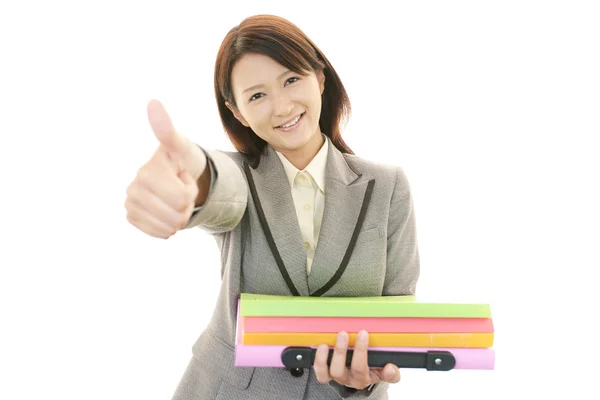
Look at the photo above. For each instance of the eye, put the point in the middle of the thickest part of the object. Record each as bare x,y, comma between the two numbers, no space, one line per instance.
257,96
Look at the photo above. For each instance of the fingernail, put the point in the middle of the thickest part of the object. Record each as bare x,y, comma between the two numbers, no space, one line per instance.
323,349
362,335
342,338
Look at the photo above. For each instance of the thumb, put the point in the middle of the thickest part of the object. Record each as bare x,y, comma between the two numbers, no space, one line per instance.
164,130
391,373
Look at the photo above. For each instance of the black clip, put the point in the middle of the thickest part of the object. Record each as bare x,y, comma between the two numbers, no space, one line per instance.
304,357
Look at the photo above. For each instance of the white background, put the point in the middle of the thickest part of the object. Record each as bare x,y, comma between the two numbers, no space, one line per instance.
492,109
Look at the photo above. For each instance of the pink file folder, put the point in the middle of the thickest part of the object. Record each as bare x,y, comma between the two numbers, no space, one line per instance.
270,356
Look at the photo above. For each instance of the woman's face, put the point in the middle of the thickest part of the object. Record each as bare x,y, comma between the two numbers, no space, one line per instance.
270,98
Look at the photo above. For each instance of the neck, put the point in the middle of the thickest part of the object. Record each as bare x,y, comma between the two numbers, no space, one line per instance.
303,157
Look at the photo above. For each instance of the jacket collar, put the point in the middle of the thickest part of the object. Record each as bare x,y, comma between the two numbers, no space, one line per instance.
343,201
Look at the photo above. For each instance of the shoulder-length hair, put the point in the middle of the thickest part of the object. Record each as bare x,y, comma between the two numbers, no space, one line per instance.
285,43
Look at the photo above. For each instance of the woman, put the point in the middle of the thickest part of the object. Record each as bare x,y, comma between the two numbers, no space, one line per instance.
293,211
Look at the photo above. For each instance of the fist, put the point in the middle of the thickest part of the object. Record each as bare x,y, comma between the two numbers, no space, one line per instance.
162,197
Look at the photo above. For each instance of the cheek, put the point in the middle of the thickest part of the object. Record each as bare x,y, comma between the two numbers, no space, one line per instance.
315,106
312,98
259,118
255,115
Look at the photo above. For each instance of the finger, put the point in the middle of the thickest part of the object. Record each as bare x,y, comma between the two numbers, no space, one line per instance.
149,224
192,193
141,197
190,183
391,373
359,367
163,128
166,185
338,369
320,365
167,161
376,374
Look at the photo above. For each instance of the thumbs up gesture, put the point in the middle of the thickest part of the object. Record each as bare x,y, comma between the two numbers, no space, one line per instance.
161,198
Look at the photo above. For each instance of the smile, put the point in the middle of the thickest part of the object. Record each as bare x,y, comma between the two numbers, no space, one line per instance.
292,124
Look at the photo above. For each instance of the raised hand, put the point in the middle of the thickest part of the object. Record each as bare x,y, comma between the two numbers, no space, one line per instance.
161,198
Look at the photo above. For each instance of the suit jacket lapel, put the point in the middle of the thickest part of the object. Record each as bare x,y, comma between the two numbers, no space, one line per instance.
344,195
278,206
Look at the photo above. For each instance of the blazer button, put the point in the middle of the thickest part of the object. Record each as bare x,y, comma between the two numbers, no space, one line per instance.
297,372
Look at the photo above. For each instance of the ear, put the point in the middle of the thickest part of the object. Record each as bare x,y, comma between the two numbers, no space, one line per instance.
321,79
237,114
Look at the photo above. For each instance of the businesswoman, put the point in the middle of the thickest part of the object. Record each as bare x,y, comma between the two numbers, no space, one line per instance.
293,211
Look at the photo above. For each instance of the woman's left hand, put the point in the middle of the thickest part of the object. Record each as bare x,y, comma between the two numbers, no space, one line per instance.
358,375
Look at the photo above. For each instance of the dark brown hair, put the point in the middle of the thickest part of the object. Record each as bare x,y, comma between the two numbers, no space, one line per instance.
285,43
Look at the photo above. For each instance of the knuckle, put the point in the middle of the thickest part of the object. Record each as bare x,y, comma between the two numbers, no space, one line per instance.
131,199
142,175
340,351
183,221
131,195
132,213
169,226
133,210
131,219
360,383
163,234
179,200
336,374
193,191
182,203
193,194
360,377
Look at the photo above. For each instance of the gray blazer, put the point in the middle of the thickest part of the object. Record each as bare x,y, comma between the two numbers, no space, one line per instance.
382,259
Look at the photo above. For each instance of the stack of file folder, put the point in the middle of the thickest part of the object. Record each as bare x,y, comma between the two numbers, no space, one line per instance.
284,331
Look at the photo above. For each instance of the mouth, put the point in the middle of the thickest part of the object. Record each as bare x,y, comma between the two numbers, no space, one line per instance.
292,124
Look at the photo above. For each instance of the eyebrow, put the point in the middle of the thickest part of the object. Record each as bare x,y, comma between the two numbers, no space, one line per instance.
260,85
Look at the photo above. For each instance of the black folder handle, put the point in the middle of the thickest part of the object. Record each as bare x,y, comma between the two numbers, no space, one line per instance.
304,357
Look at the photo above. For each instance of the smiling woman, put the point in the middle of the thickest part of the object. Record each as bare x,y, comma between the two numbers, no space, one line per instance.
286,111
293,211
267,73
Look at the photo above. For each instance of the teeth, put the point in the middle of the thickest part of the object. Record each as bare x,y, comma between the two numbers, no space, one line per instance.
292,123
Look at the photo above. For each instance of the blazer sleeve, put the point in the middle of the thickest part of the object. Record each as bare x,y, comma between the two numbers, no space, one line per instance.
227,197
403,265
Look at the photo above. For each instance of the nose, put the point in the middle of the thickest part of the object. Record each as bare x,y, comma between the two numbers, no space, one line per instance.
283,106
